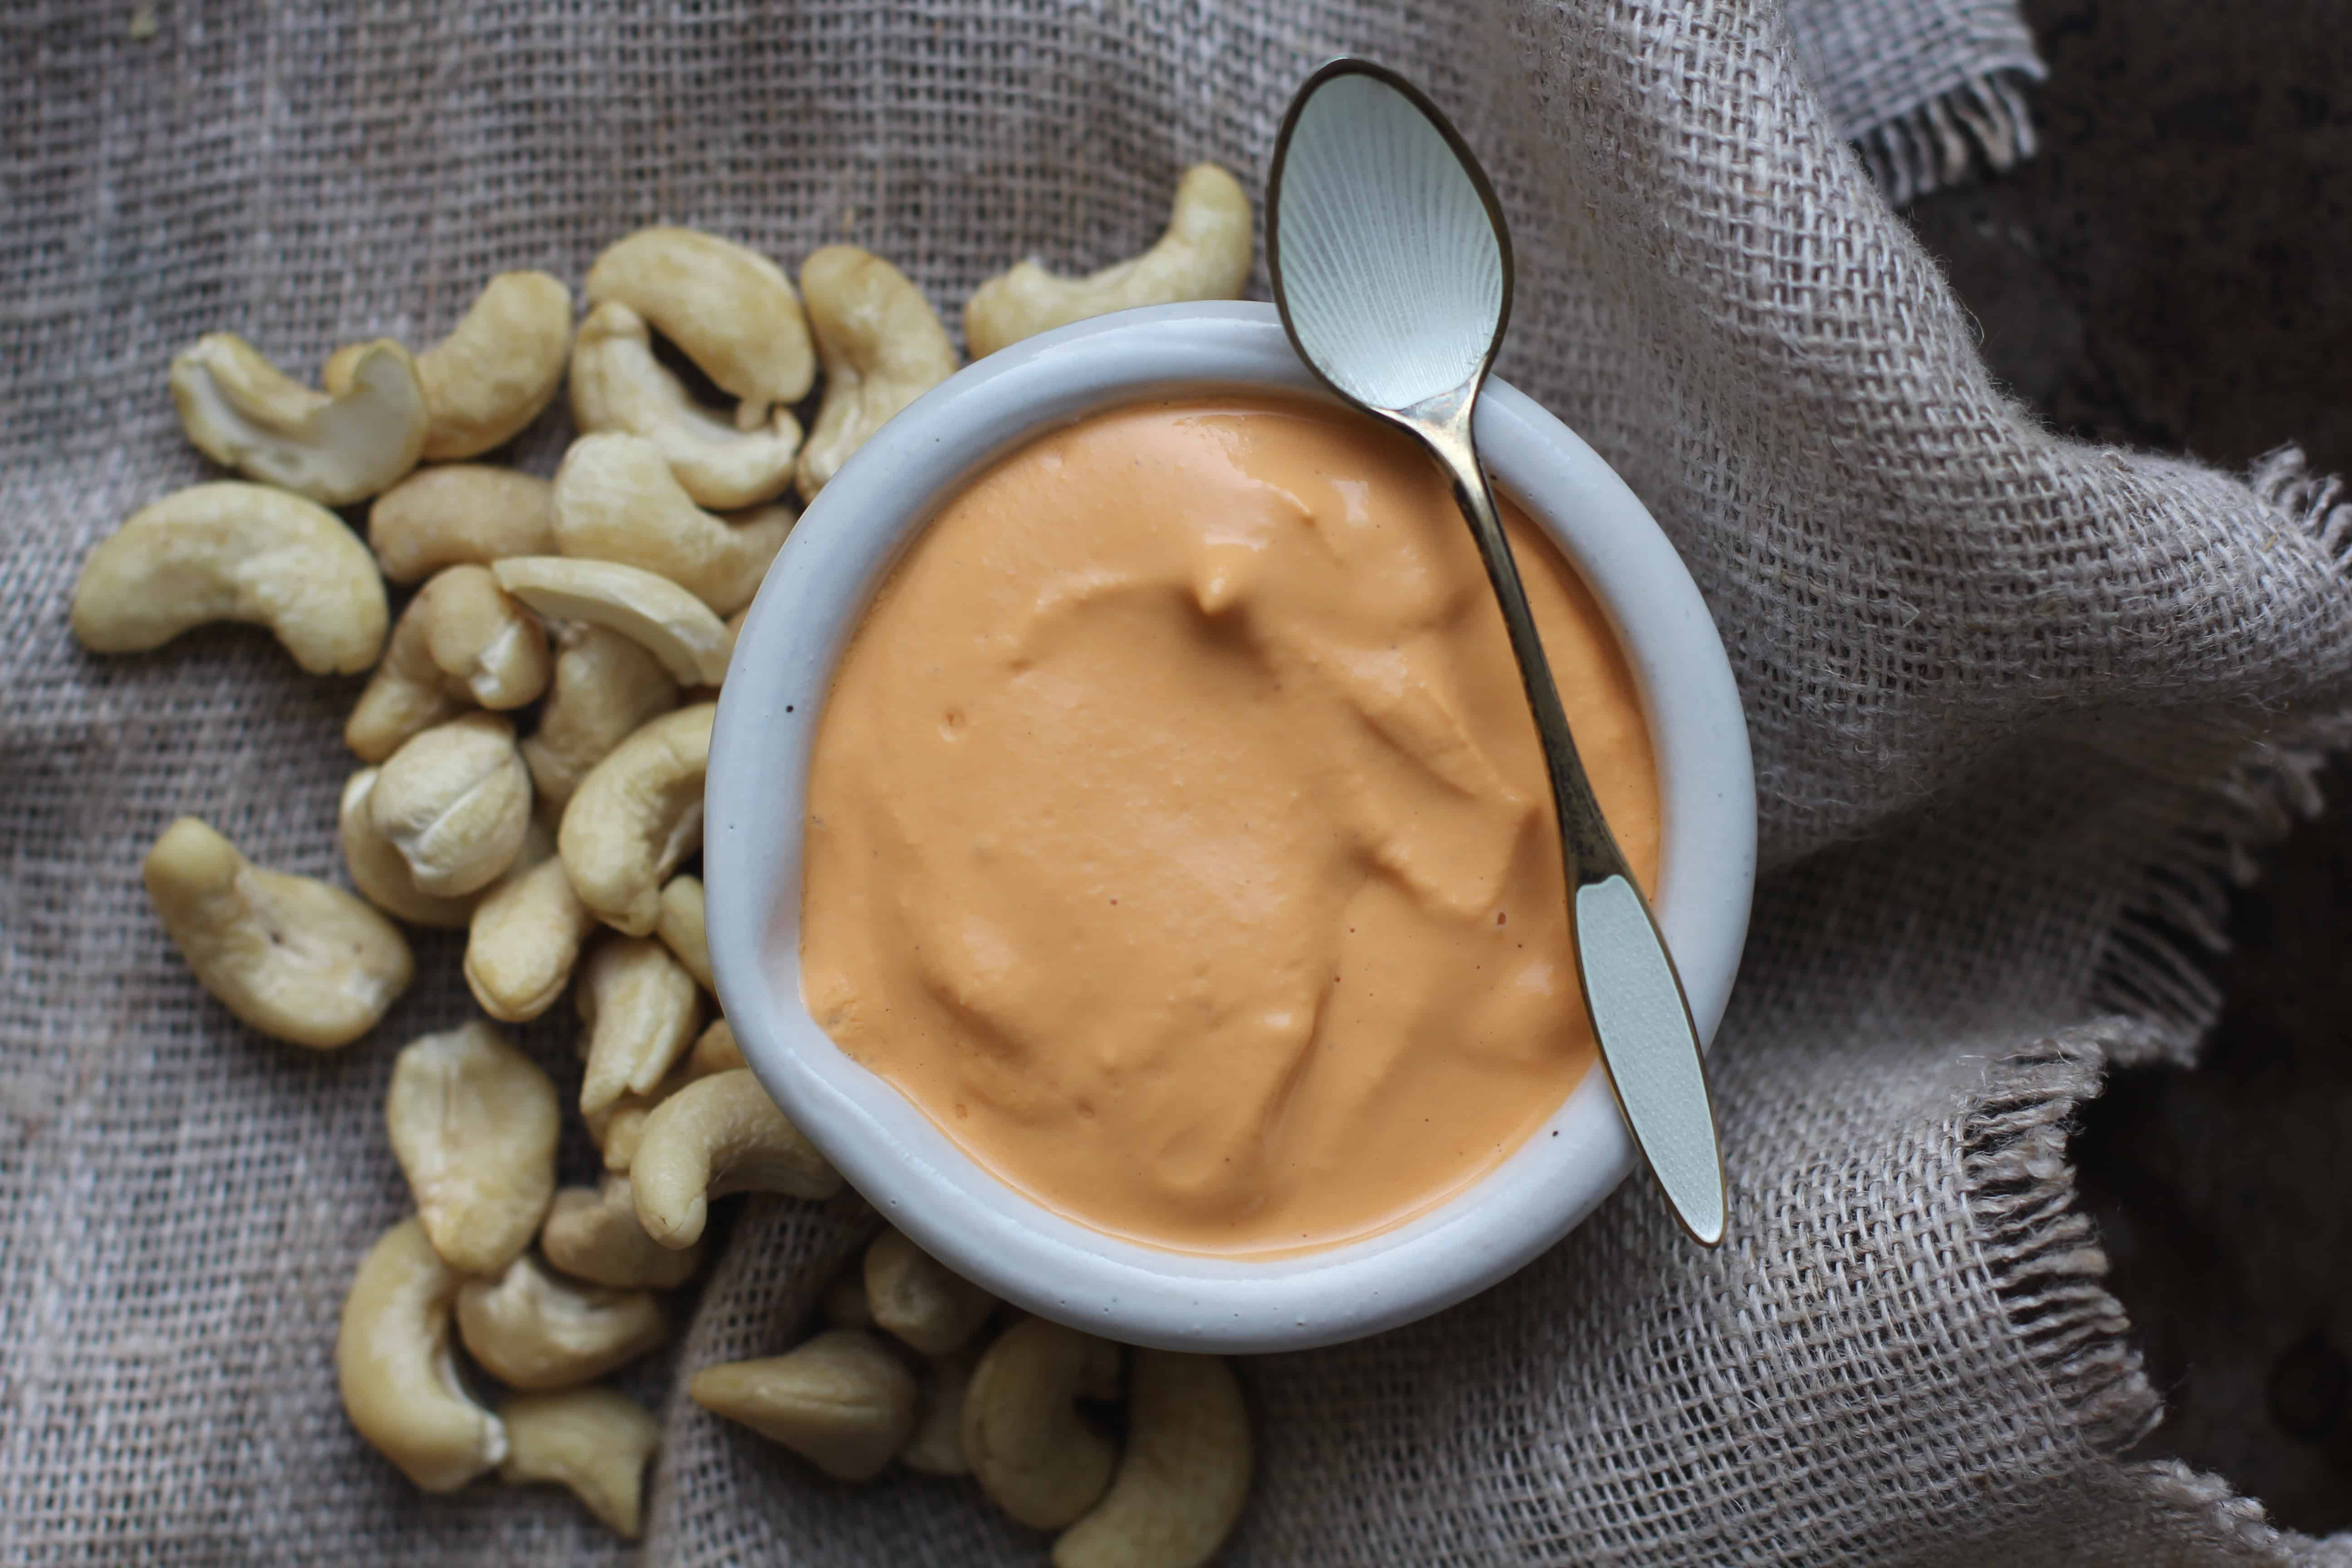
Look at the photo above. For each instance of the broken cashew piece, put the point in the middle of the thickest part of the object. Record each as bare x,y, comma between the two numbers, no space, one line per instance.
595,1441
1183,1475
459,514
637,814
649,610
298,959
379,872
606,686
456,802
843,1401
616,499
234,551
1033,1453
718,1136
398,1377
618,385
245,413
534,1330
474,1123
523,940
919,1299
1203,255
882,346
499,365
620,1127
937,1447
731,310
681,929
593,1234
461,643
642,1009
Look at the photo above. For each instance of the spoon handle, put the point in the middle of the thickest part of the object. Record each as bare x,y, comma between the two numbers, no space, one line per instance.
1639,1016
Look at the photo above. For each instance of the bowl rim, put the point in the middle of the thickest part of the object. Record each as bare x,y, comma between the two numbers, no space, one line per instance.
813,598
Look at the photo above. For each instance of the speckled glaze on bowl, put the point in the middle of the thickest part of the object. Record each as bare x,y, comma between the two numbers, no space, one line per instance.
807,610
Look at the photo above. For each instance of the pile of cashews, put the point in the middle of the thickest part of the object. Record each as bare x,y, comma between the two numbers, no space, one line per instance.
532,738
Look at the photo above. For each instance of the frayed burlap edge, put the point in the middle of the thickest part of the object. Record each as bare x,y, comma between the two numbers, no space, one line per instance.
1981,126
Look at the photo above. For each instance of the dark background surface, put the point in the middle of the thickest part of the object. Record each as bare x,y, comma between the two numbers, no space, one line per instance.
2173,270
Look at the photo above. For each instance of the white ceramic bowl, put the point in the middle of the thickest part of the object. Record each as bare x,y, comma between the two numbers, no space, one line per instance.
759,755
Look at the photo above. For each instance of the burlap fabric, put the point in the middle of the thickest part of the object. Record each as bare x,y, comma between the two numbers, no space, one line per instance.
2019,706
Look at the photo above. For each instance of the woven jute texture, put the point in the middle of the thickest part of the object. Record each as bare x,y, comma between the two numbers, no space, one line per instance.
2020,708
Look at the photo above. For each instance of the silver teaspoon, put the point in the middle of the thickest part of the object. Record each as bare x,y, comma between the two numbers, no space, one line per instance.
1392,267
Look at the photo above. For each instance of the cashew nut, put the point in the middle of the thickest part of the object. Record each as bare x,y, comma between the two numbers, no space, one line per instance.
1182,1478
642,1009
715,1051
731,310
399,1380
919,1299
456,515
593,1440
523,940
533,1330
650,610
297,959
680,927
841,1401
498,367
593,1234
882,345
637,814
1203,255
1034,1454
606,686
718,1136
233,552
377,869
937,1447
844,1304
474,1123
617,384
620,1127
461,642
245,413
456,802
615,499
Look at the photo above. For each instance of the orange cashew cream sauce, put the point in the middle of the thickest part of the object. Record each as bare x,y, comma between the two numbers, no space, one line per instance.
1178,838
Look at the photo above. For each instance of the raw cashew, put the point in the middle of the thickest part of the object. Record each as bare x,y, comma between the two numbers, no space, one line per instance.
456,802
533,1330
1203,255
615,499
245,413
680,927
297,959
593,1440
593,1234
641,1010
882,345
1034,1455
498,367
620,1127
617,384
669,622
474,1123
606,686
841,1401
1182,1477
377,869
937,1447
461,643
919,1299
233,552
731,310
637,814
399,1380
718,1136
715,1051
523,940
459,514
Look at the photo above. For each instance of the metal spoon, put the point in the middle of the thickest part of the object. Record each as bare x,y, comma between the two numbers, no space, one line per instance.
1392,267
